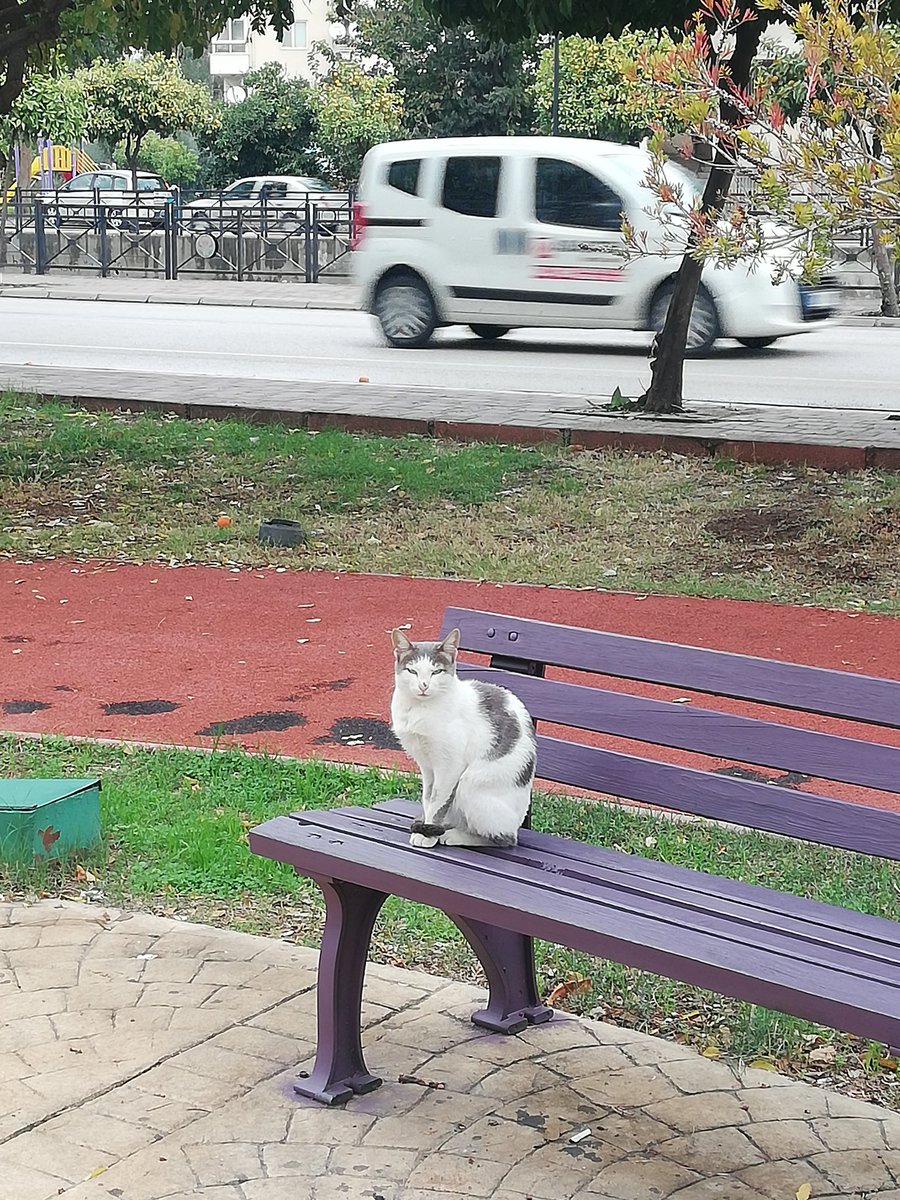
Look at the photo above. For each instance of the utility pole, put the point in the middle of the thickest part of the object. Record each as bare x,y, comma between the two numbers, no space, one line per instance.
554,110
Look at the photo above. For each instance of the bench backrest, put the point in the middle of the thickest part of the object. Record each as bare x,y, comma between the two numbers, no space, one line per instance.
521,650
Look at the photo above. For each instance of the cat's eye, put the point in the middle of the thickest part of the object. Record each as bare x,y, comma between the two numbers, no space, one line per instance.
411,670
437,671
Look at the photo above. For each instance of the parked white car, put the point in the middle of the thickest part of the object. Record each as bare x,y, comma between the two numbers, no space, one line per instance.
498,233
277,195
78,198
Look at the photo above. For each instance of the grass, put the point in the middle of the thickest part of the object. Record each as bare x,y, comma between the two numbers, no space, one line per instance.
176,823
147,487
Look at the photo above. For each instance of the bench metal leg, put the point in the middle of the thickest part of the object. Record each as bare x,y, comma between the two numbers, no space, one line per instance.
340,1071
508,961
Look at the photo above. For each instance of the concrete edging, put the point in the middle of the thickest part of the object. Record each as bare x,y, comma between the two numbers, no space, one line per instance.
765,453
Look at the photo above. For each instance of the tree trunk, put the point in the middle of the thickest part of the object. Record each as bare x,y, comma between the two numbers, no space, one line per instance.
890,303
664,395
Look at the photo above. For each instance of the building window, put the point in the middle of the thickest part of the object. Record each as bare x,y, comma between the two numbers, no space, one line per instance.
294,37
233,38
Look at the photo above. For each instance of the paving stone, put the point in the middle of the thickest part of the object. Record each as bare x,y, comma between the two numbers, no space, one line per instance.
496,1139
790,1103
144,1017
720,1187
642,1178
651,1050
224,1163
66,1159
328,1127
26,1183
409,1132
297,1159
287,1187
341,1187
261,1043
370,1162
176,995
548,1175
158,1173
712,1151
169,970
781,1179
850,1133
853,1169
688,1114
505,1082
785,1139
698,1074
145,1110
586,1061
229,1065
462,1176
172,1083
635,1086
87,1126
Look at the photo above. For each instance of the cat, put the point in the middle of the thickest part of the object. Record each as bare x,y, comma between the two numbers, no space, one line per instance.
473,742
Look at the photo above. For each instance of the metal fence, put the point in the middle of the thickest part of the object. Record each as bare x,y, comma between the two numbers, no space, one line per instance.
144,234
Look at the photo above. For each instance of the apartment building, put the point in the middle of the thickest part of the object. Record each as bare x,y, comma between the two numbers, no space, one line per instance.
238,49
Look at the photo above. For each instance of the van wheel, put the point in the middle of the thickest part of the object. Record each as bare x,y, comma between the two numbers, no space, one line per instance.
405,310
704,327
757,343
490,332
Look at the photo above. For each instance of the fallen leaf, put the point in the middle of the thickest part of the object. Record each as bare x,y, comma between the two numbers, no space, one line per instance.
710,1051
822,1056
804,1191
573,985
764,1064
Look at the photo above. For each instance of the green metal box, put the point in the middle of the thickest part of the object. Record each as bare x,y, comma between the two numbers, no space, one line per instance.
46,818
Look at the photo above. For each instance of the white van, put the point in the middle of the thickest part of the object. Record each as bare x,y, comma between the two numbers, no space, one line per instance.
504,232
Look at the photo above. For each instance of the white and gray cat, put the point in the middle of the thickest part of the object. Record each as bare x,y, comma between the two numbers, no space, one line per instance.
474,744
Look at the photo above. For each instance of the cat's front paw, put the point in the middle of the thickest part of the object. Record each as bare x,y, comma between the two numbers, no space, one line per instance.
421,842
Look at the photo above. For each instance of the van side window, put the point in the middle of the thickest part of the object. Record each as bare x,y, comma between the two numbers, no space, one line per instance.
404,175
471,186
569,195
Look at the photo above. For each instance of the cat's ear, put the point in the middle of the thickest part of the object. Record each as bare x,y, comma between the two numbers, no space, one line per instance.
401,643
450,644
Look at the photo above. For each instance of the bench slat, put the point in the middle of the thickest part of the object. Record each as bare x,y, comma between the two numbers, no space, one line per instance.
766,806
454,882
745,739
742,677
867,958
668,876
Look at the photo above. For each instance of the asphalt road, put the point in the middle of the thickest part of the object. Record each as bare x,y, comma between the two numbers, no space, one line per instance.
834,367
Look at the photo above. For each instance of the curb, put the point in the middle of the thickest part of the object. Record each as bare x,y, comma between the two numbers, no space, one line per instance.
763,453
30,291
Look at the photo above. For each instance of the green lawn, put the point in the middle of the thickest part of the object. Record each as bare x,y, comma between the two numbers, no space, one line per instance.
176,822
147,487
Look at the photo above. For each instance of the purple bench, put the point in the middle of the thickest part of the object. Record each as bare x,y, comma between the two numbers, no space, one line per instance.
820,962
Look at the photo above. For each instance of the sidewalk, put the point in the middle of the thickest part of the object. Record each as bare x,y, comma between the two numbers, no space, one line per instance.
829,438
193,289
147,1058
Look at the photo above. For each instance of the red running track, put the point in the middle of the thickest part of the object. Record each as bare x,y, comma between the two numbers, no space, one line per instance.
299,662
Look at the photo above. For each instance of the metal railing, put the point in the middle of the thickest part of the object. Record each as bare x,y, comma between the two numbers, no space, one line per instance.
164,235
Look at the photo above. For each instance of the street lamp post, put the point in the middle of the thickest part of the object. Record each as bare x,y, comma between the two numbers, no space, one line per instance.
554,109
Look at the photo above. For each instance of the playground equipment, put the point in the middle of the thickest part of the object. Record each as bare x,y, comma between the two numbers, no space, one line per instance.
54,164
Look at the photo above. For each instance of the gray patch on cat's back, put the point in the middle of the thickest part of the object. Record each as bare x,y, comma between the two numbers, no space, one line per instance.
525,776
504,726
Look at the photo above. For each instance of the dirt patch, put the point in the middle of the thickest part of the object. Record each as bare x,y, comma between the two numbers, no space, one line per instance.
753,526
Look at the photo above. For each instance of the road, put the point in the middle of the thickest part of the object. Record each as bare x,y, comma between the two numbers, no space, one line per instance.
834,367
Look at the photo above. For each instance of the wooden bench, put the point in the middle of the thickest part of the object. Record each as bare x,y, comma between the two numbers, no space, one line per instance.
820,962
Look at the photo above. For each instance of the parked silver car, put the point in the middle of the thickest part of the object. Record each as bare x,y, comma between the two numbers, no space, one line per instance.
271,197
77,201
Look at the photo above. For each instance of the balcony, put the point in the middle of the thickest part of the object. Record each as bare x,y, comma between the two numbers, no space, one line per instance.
229,61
